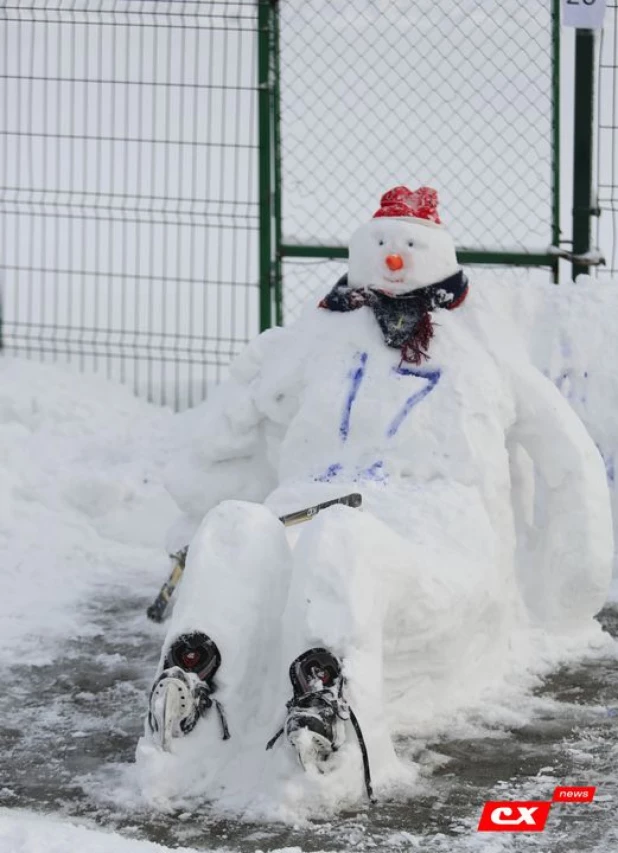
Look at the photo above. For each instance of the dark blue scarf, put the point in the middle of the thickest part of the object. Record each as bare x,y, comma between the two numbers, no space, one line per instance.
404,319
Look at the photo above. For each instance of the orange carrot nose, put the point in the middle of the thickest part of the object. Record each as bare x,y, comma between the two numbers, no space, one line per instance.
394,262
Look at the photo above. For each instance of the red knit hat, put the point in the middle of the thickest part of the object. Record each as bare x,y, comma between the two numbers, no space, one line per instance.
402,202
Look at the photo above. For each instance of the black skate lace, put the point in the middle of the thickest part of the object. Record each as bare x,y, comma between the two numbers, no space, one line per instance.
205,701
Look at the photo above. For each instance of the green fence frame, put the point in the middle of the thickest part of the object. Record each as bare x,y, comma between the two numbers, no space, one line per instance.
583,130
268,219
273,250
606,131
129,210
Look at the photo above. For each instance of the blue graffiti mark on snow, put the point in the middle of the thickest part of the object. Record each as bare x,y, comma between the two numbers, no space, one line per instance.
374,472
357,377
330,473
432,377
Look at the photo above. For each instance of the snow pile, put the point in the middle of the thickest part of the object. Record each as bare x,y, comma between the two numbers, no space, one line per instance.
483,550
82,507
28,832
569,332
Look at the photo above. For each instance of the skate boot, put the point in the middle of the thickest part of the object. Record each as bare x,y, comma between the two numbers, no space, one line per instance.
183,691
317,712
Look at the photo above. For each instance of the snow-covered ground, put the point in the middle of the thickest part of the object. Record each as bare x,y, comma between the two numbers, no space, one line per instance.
83,518
26,832
82,507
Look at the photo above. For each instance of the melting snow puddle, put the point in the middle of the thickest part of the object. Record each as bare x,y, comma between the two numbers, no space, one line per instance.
69,730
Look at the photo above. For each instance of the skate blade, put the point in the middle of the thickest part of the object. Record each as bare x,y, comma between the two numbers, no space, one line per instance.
171,703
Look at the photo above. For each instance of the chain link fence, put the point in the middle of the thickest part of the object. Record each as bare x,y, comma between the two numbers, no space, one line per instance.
165,164
607,141
128,187
462,97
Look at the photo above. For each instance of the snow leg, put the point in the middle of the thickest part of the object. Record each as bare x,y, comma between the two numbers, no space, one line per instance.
233,593
229,606
235,582
336,604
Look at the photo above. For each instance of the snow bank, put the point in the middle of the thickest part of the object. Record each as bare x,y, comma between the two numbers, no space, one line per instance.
82,507
431,597
28,832
569,332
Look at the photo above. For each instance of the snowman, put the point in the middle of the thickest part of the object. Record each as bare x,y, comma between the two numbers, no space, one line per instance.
325,642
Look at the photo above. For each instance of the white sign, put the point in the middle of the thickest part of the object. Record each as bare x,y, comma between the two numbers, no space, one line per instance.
583,14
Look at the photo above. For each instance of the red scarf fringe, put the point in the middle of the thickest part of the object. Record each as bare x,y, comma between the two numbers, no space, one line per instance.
415,350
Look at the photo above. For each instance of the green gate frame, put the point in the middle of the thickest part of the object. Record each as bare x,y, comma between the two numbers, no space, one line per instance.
272,248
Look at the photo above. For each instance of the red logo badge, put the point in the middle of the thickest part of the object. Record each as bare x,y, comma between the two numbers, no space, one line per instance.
509,816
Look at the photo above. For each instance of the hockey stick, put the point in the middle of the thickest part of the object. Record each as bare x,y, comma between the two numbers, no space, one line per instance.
353,500
156,611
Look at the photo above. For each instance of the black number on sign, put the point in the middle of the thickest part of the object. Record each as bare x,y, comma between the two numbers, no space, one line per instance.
585,2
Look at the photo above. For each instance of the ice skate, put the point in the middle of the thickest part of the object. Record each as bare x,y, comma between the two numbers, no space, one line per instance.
317,713
315,723
182,692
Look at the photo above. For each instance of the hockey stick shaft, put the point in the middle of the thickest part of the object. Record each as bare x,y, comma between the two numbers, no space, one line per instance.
353,500
156,611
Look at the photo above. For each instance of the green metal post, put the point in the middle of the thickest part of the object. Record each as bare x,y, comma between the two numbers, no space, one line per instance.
265,157
555,80
582,150
278,267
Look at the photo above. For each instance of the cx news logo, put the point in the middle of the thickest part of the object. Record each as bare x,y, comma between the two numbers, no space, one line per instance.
529,815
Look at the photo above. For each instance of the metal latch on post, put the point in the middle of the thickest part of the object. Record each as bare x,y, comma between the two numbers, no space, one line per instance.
592,258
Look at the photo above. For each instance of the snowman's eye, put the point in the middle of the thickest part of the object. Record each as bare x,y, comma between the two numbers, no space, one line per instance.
410,243
380,242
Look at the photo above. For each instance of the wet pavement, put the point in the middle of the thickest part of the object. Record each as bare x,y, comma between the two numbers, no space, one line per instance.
68,730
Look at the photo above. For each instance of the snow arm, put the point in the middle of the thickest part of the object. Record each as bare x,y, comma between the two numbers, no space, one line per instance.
567,575
222,444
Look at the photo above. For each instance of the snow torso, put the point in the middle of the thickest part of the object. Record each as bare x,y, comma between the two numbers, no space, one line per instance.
342,408
362,414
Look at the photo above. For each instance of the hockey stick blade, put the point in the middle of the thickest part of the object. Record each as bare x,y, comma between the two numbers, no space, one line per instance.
156,611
